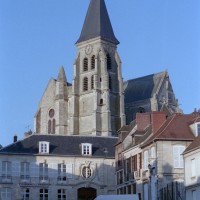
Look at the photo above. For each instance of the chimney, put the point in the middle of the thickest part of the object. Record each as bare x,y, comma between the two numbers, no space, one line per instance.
15,138
158,118
142,120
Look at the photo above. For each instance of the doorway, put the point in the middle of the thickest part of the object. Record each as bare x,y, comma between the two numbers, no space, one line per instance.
87,193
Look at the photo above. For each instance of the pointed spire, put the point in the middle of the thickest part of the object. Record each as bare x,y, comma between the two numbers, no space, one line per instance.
97,23
61,75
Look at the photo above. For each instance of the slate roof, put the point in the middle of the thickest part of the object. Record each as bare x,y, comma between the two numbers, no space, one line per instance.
97,23
63,145
176,127
142,88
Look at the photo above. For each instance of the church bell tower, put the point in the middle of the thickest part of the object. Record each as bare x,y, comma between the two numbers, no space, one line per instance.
97,101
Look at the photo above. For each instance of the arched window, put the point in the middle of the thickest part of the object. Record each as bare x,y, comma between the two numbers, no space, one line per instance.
110,83
108,62
93,62
54,126
85,64
92,82
85,84
49,127
51,122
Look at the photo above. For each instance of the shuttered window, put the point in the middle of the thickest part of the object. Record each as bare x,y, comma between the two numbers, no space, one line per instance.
146,157
193,167
178,158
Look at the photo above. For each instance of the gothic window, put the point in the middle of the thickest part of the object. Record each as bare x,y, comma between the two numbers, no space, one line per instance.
85,84
108,62
85,64
49,126
44,194
87,172
110,83
93,62
51,122
101,102
62,194
92,82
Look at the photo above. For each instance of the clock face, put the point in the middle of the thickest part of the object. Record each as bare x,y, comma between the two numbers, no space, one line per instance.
88,49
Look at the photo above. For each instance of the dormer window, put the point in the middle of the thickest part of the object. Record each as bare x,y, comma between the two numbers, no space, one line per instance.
43,147
197,129
86,149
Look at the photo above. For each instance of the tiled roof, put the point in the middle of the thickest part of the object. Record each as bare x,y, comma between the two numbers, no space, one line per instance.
176,127
194,145
97,23
63,145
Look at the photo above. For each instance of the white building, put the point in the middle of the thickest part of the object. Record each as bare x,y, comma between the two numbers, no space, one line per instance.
192,164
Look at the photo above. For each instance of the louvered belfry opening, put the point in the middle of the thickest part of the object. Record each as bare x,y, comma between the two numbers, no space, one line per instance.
85,64
85,84
92,82
93,62
109,63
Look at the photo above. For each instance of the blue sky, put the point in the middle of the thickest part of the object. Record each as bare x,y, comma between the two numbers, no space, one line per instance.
38,36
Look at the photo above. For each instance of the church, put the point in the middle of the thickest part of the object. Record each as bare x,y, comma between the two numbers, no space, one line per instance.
71,153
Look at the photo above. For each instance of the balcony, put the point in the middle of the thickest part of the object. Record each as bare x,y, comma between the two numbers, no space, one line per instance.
44,180
6,179
25,179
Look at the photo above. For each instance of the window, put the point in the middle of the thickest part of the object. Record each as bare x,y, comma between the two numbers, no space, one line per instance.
25,171
86,172
85,64
43,194
43,147
6,193
93,62
92,82
6,170
25,194
110,83
101,102
43,172
134,162
62,172
146,157
193,167
153,152
61,194
109,66
178,158
51,122
86,149
85,84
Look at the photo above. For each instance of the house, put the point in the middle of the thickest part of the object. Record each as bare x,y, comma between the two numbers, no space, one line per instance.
149,159
192,163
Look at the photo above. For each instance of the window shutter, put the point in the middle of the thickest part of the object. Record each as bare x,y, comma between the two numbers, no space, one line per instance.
176,156
193,167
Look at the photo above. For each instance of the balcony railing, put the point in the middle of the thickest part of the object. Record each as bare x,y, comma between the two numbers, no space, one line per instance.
6,178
